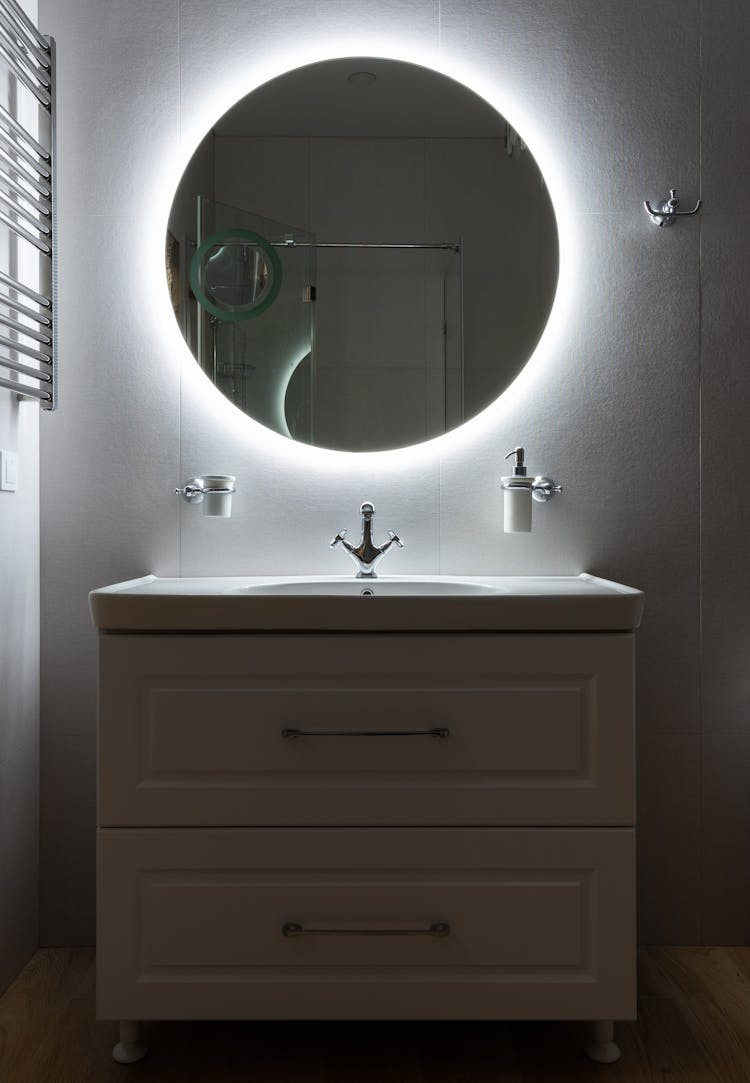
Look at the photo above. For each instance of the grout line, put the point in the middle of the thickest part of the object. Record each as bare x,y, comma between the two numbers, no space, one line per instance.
181,367
701,833
439,531
180,395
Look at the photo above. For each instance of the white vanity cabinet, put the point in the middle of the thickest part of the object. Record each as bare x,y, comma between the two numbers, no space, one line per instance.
366,825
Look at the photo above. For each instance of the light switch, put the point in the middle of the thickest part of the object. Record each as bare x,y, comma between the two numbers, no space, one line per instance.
8,471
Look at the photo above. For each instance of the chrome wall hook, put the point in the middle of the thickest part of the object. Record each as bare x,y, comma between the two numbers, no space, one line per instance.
664,214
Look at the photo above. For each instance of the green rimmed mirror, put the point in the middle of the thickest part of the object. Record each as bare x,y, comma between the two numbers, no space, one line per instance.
235,275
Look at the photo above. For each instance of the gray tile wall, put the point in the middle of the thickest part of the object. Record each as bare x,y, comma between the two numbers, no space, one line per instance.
636,406
725,511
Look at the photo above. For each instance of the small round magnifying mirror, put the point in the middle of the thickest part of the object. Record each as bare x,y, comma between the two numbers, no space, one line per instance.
235,274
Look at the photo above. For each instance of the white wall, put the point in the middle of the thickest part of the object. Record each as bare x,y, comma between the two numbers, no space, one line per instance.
615,112
19,690
19,635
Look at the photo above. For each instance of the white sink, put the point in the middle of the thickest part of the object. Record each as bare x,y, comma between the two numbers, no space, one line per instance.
393,603
382,587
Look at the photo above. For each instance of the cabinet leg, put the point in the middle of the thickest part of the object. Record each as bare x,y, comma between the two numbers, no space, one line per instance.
131,1046
603,1048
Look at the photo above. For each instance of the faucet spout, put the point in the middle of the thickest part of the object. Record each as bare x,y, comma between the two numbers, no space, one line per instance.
367,554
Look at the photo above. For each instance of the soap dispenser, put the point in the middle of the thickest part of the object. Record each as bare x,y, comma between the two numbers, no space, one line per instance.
517,489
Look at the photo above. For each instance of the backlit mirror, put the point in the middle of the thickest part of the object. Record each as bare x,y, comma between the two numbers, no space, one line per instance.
362,254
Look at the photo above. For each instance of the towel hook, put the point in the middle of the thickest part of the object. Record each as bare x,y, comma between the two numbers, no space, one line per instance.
664,214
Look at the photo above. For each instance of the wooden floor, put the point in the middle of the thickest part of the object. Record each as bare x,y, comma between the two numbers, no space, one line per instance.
693,1027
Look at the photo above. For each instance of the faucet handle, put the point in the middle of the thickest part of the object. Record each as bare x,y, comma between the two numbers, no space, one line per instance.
395,538
338,539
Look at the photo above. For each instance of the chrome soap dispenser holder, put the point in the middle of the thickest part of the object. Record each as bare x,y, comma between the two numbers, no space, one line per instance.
518,492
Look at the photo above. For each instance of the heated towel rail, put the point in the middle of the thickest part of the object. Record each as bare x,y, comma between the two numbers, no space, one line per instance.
27,208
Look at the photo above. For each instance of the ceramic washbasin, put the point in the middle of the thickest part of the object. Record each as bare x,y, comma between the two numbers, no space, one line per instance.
381,587
388,603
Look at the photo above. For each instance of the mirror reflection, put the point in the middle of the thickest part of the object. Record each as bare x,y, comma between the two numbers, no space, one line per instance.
362,254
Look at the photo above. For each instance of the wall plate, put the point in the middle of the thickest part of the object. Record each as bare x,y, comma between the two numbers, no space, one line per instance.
8,471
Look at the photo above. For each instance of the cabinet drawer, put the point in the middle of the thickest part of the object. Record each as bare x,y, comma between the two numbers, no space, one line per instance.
391,729
355,924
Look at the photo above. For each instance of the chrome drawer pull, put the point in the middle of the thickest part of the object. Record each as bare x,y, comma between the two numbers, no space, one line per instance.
438,928
438,731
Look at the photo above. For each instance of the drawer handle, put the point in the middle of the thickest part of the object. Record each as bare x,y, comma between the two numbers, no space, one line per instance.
437,731
438,928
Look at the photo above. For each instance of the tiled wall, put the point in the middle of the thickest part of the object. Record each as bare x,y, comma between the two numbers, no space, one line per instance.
652,336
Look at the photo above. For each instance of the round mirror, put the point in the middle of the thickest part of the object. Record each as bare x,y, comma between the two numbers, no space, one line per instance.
362,254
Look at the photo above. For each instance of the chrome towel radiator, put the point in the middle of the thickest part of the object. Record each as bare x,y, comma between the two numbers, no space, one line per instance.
27,207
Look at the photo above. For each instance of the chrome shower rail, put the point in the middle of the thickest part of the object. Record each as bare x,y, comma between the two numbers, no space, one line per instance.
27,209
443,246
447,246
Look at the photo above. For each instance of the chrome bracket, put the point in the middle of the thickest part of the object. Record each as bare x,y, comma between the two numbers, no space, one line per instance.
194,494
544,488
665,213
196,490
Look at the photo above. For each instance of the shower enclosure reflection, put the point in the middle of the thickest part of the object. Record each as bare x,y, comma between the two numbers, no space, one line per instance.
269,296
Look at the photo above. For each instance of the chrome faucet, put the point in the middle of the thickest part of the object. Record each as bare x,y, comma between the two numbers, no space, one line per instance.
366,555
